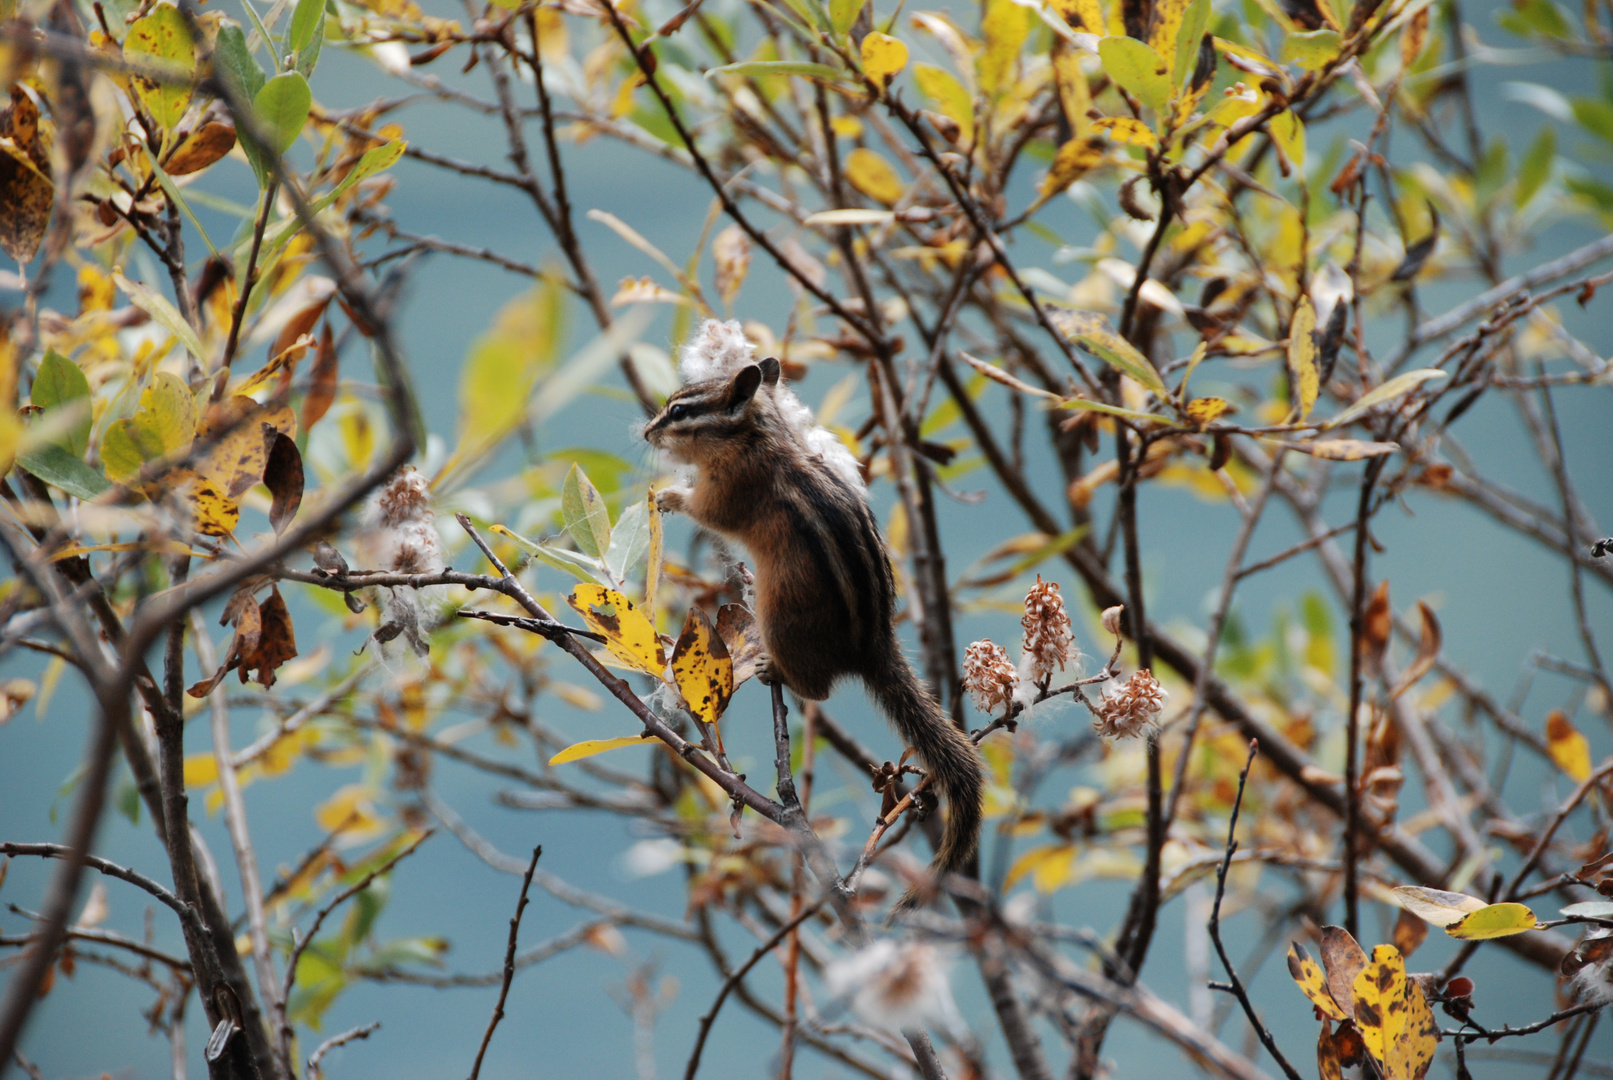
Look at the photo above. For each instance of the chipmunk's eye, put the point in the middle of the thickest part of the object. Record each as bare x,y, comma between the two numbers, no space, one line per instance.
677,412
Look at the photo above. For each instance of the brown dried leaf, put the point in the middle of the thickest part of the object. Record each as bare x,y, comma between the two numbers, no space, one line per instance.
1344,959
730,250
321,381
276,643
1328,1066
284,477
1409,932
26,191
1376,622
201,148
742,635
242,610
1428,647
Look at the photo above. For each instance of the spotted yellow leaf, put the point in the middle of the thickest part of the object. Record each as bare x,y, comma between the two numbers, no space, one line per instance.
1302,355
1307,973
1205,411
883,57
1413,1051
1127,130
702,668
1380,1000
628,634
1075,159
589,747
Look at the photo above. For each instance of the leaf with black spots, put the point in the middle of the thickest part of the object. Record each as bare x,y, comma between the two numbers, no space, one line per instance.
702,668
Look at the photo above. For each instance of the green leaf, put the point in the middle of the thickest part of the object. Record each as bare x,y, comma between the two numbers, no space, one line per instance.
1089,331
308,55
374,160
60,384
305,19
233,62
1138,69
162,41
1395,387
1194,22
757,68
1595,117
1535,168
843,14
167,415
587,519
1087,405
121,453
282,108
166,315
1311,50
56,466
629,540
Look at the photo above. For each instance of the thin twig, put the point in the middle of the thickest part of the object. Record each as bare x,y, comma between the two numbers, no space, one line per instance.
509,964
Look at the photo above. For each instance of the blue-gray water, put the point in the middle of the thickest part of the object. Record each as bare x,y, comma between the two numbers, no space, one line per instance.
1499,598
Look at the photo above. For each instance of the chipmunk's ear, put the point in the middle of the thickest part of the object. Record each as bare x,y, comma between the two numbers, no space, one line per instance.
743,386
770,371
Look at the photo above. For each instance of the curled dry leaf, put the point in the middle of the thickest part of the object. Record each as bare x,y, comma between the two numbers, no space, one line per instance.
741,635
1428,646
702,668
1344,959
201,148
321,380
1436,905
283,475
1376,622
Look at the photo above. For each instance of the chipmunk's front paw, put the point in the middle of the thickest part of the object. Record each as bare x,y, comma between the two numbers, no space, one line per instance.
672,500
764,671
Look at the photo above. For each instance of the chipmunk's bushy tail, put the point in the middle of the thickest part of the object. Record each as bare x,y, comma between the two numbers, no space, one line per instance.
948,756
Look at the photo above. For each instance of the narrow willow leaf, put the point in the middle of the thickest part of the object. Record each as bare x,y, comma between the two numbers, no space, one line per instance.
1302,356
166,315
761,68
1401,384
1089,331
828,218
587,519
589,747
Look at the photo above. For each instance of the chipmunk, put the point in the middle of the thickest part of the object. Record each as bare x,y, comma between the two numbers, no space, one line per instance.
825,595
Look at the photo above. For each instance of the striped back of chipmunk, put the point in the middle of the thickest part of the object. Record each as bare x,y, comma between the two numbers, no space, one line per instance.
835,528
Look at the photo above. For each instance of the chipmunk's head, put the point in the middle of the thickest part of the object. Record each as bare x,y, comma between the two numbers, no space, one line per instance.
702,421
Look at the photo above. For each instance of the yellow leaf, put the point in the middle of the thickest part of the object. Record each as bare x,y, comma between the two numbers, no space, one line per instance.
162,40
1289,134
950,97
1075,97
1005,26
1164,25
1206,410
1302,355
1127,130
200,770
1307,973
1084,16
1380,1000
350,812
883,57
590,747
1049,867
1092,334
1412,38
1493,921
1436,905
873,176
628,634
1413,1052
1074,160
1342,449
702,668
652,566
1568,747
213,513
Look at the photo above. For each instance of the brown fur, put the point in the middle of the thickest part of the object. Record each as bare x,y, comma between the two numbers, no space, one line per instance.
825,596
